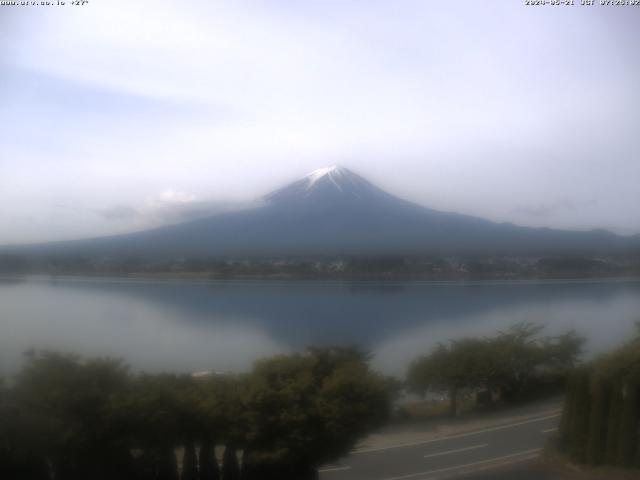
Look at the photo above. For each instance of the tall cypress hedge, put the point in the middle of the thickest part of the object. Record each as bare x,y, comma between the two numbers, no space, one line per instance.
601,418
600,393
579,423
613,423
567,412
628,436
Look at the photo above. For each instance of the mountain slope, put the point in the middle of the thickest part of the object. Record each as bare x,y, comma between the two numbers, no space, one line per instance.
335,211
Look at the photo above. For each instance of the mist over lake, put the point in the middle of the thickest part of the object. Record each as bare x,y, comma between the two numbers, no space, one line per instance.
190,326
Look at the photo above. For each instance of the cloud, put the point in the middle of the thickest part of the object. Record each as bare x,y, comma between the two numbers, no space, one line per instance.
552,208
170,207
172,213
118,212
544,209
170,196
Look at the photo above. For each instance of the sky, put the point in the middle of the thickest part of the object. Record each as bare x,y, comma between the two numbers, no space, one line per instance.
119,115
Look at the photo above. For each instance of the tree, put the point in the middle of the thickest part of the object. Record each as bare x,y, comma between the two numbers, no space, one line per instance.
516,354
506,363
189,462
21,454
157,413
230,466
62,400
307,409
520,353
207,463
222,411
562,352
462,364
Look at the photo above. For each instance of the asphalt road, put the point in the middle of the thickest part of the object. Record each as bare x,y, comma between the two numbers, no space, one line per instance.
500,451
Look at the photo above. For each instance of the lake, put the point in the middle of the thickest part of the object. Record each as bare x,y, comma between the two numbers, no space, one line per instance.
193,326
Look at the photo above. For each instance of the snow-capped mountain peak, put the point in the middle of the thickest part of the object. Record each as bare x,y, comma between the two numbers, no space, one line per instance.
333,173
335,211
333,183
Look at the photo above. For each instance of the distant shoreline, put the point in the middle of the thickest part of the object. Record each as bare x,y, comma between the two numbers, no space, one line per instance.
297,281
344,269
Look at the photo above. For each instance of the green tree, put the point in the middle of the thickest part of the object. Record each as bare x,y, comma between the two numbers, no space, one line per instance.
230,466
506,363
189,462
22,453
207,462
64,398
520,354
224,419
516,354
449,369
157,414
307,409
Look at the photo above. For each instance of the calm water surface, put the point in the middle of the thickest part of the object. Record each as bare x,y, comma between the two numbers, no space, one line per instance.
224,326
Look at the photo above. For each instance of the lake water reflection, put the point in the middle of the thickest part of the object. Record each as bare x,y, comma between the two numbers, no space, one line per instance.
225,326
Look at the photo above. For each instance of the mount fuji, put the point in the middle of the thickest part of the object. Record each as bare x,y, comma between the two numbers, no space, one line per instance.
334,211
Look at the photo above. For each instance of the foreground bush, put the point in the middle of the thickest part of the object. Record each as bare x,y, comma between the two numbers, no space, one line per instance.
66,418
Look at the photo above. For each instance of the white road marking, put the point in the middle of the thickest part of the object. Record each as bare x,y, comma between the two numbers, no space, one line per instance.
467,465
451,437
333,469
481,468
548,430
449,452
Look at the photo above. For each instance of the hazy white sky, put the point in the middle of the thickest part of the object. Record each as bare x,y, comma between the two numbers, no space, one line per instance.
117,114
